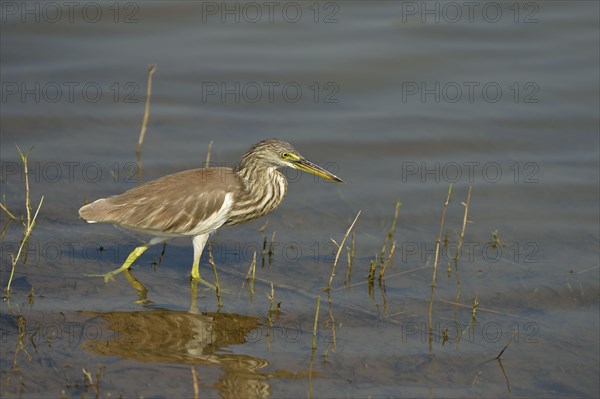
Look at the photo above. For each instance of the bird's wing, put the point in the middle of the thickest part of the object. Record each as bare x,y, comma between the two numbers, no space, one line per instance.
186,203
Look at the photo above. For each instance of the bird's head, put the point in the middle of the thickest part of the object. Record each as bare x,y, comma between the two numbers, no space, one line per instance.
278,153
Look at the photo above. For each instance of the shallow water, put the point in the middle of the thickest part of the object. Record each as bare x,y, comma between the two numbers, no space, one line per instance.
396,103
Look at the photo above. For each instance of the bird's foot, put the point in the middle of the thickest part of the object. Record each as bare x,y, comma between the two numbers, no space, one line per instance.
199,280
107,276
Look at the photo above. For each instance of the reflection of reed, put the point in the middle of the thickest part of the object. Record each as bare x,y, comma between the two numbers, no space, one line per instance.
165,336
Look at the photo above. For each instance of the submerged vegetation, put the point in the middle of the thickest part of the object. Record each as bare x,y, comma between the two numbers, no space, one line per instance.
27,221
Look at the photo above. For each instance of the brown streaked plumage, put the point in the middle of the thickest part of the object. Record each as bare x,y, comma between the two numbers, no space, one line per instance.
197,202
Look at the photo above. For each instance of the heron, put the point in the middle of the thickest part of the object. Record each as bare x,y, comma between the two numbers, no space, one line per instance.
197,202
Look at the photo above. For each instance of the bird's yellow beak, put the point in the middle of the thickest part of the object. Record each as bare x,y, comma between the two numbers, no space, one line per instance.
307,166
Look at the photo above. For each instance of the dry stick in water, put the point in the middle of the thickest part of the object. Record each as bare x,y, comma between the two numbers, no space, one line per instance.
435,262
390,234
383,261
151,70
27,206
387,262
5,209
383,296
496,243
11,219
90,381
504,374
30,224
271,298
211,260
195,382
371,277
21,347
464,225
264,246
350,251
510,341
312,352
310,367
339,251
332,322
252,269
27,200
250,276
474,309
456,256
499,359
314,337
271,253
439,240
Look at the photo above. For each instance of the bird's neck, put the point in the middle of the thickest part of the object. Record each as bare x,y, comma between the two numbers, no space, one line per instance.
263,189
255,174
261,180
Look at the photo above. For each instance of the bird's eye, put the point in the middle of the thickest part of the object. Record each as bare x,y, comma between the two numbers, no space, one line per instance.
286,155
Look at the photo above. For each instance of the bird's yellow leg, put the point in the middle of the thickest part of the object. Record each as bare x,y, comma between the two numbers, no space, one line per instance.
196,279
195,276
199,241
139,288
196,270
194,298
128,262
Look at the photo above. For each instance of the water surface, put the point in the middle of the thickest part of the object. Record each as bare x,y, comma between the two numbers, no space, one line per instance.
394,102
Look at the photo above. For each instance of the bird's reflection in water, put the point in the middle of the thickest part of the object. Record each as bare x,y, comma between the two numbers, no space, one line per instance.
142,292
166,336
